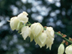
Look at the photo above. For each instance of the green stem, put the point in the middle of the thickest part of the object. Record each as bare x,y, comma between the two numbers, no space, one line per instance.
29,22
63,37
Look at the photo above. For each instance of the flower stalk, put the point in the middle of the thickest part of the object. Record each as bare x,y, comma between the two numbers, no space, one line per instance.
63,37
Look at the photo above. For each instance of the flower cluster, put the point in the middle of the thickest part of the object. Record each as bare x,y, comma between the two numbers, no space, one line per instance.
68,49
35,31
42,37
15,22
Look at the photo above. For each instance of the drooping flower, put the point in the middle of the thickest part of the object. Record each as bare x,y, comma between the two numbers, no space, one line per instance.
14,23
25,31
23,17
36,29
68,49
61,49
50,37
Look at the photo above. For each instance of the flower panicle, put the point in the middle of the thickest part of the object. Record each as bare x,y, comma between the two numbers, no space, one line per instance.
41,35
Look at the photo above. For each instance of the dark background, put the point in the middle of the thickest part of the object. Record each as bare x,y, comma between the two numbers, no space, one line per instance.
55,13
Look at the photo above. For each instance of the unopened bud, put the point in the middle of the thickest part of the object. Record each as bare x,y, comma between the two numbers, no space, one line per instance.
68,49
61,49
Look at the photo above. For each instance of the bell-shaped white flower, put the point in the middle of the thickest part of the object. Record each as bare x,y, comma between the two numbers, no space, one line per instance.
36,29
25,31
68,49
50,32
23,17
41,39
14,23
61,49
50,37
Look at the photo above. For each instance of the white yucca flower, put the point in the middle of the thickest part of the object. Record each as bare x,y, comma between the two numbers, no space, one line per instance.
50,37
22,17
68,49
61,49
25,31
14,23
36,29
41,39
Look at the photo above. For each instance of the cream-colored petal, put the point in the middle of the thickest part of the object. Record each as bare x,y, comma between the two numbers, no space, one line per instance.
31,37
25,32
42,38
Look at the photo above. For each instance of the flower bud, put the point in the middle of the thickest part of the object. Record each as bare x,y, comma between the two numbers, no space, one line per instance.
36,29
23,17
68,49
61,49
25,31
14,23
41,39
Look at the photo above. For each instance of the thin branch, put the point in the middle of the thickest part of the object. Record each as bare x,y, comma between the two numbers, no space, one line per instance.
63,37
